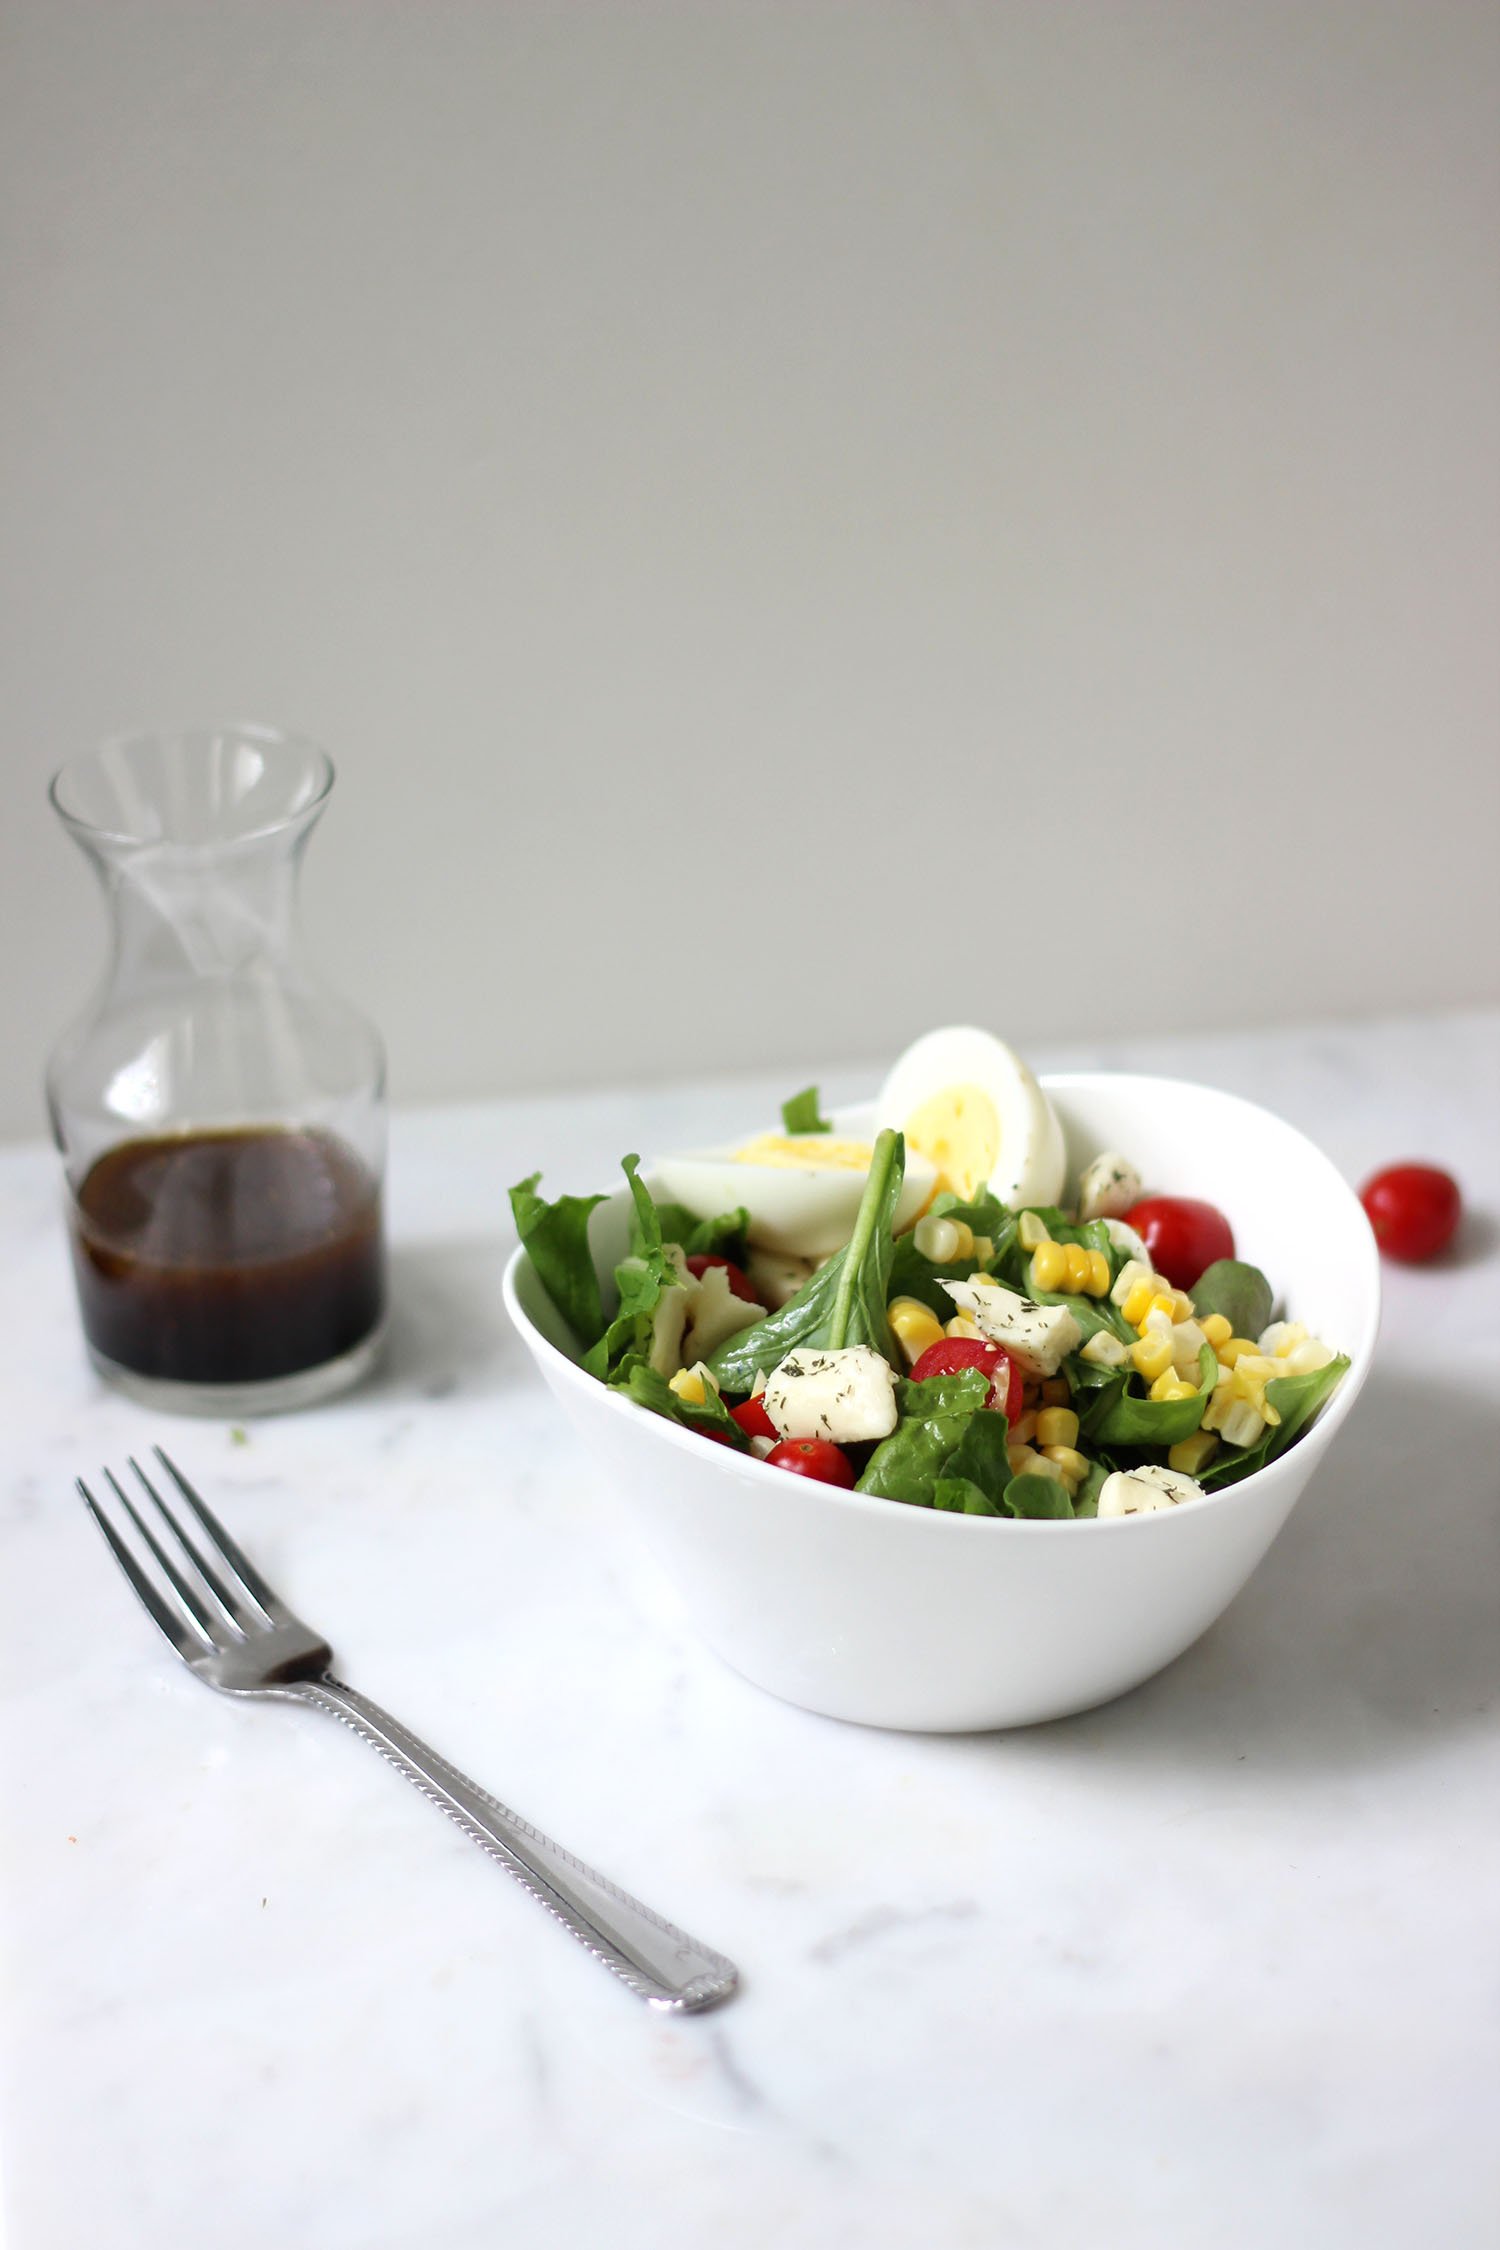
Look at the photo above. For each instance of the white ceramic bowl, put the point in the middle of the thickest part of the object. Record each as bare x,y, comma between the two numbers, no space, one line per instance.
901,1617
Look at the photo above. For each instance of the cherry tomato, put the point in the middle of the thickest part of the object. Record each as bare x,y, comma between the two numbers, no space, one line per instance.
1183,1236
720,1437
813,1457
739,1281
753,1418
956,1354
1414,1209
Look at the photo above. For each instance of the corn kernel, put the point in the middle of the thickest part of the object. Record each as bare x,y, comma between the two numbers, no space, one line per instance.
1242,1425
914,1327
943,1240
1308,1357
1171,1385
1057,1425
1158,1323
1192,1454
1235,1349
1270,1414
1216,1328
688,1385
1152,1356
1022,1460
1137,1301
961,1325
1183,1304
1165,1301
1042,1465
1055,1391
1282,1338
1216,1413
1023,1431
1078,1267
1032,1231
1104,1349
984,1249
1049,1267
1131,1273
1074,1465
1098,1281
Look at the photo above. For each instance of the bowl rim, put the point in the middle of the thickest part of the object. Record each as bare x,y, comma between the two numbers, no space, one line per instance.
872,1505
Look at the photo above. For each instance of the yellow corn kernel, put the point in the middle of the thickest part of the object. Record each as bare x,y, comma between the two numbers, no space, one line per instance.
1078,1267
1183,1305
1218,1410
983,1250
1125,1280
1032,1231
1151,1356
1216,1328
1055,1391
1104,1349
1270,1414
1074,1465
1137,1302
914,1327
1165,1301
1242,1425
688,1385
1042,1465
1057,1425
943,1240
961,1325
1172,1385
1098,1282
1024,1431
1022,1460
1234,1349
1192,1454
1049,1267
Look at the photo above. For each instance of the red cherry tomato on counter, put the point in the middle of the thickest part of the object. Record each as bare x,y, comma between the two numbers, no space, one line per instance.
813,1457
956,1354
1183,1236
739,1281
1414,1209
753,1418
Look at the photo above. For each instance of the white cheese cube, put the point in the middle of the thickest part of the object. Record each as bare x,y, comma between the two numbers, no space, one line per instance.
848,1396
1040,1336
1142,1492
1109,1187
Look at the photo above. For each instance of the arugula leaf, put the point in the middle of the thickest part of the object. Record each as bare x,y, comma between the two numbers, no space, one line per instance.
799,1113
556,1236
931,1419
640,1381
1239,1291
643,1280
1118,1417
1296,1399
843,1302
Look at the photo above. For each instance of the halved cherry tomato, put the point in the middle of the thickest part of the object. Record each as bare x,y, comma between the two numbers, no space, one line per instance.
753,1418
813,1457
956,1354
739,1281
1182,1236
1414,1209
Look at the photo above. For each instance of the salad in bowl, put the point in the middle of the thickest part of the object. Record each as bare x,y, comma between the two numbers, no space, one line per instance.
970,1406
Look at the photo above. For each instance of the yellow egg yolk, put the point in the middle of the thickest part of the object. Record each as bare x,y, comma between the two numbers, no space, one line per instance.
958,1131
818,1152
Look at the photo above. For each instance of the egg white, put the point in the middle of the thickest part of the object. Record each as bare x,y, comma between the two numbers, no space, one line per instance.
1031,1163
800,1211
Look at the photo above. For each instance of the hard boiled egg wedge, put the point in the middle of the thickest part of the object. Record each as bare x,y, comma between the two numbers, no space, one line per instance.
801,1190
972,1109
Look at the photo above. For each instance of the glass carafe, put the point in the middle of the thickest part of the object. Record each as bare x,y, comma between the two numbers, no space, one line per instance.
220,1111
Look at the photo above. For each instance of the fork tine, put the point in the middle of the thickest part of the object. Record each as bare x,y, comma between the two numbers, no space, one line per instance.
239,1562
228,1598
186,1643
211,1627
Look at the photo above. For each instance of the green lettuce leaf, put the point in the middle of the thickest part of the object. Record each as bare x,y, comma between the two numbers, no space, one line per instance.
800,1114
1239,1291
976,1476
556,1236
843,1302
723,1237
1039,1499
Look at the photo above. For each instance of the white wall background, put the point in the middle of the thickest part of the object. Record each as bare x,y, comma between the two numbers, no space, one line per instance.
796,522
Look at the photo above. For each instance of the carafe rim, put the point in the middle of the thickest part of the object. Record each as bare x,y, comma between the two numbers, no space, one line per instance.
319,775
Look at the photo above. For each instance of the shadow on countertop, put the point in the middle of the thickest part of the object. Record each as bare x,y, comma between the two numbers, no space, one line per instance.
1370,1633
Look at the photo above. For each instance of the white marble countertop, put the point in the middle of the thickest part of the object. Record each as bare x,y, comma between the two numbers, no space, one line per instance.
1212,1966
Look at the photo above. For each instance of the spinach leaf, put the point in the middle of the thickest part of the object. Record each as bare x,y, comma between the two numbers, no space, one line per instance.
640,1381
799,1113
1239,1291
976,1474
1296,1399
723,1237
556,1236
1091,1313
643,1280
1038,1498
843,1302
932,1418
1086,1498
1118,1417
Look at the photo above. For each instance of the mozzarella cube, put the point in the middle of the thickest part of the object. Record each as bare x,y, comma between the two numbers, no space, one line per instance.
1143,1492
1109,1187
1039,1336
848,1396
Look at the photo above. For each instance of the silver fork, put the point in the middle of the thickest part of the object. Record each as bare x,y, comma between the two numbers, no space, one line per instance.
230,1629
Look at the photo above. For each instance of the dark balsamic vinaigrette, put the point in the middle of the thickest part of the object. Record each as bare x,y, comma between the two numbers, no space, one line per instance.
229,1257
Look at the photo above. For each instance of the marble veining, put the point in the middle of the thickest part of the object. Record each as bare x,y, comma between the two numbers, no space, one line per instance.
1209,1966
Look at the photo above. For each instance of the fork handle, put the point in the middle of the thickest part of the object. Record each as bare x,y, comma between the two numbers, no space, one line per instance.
659,1962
